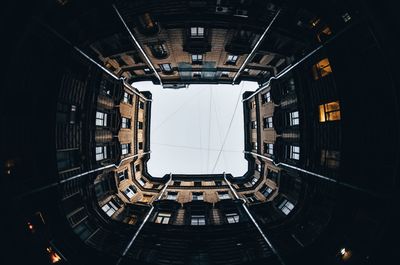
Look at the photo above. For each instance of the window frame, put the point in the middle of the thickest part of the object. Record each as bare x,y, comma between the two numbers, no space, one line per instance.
101,119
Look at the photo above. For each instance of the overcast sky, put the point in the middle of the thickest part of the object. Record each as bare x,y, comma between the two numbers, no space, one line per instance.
186,135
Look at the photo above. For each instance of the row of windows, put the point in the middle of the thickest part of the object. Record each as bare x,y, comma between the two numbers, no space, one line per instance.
178,183
165,218
198,196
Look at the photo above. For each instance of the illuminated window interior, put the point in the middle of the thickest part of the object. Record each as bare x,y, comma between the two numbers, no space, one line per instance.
321,69
329,111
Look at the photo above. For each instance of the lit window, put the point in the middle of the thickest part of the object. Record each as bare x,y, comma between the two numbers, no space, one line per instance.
147,70
268,122
142,182
232,59
126,123
246,70
254,124
172,195
196,74
130,192
125,148
257,58
163,218
258,167
254,180
198,220
268,148
321,69
330,158
146,198
197,32
166,67
294,152
109,208
197,58
266,191
101,152
127,98
232,218
346,17
122,175
197,196
223,195
286,207
329,111
266,97
253,104
140,125
294,118
101,118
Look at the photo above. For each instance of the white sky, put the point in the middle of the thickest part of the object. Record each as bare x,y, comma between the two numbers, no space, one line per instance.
185,138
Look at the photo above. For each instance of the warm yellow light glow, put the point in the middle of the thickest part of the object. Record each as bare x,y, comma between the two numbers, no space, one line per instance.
54,257
321,69
329,111
345,254
30,226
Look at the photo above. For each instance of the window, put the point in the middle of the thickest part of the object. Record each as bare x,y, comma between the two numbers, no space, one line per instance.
254,180
163,218
218,183
246,70
140,145
198,220
101,152
141,181
259,167
126,123
268,148
125,148
123,175
223,195
197,58
197,196
257,58
197,32
253,104
346,17
266,191
159,50
109,208
329,111
225,74
147,71
101,118
137,168
129,192
254,124
127,98
266,97
177,183
166,67
141,104
321,69
232,59
140,125
120,61
286,207
172,195
254,145
330,158
146,198
251,198
197,183
146,21
196,74
294,152
232,218
267,122
294,118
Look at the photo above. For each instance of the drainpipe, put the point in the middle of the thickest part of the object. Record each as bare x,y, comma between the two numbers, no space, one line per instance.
144,221
254,221
138,46
255,47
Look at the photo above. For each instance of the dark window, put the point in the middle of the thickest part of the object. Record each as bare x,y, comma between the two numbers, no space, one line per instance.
197,183
141,104
140,125
67,159
123,175
120,61
250,198
159,50
257,58
140,145
330,158
137,168
177,183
